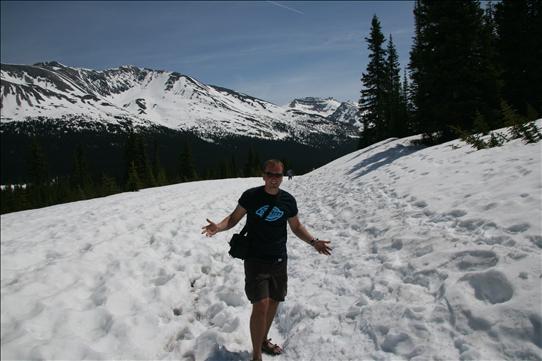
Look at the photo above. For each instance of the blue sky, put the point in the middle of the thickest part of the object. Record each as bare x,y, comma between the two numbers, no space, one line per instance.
274,50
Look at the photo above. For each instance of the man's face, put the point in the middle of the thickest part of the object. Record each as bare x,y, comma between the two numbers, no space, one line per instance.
273,176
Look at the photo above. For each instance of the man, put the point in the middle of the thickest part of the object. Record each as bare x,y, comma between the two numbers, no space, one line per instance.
290,174
265,267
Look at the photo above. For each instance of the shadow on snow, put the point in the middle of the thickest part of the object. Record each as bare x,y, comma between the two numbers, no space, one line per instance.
221,353
378,160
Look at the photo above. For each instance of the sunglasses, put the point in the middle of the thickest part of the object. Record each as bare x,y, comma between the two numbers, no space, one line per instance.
275,175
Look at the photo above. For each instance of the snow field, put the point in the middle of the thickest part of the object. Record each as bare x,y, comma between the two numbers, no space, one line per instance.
452,238
436,255
107,272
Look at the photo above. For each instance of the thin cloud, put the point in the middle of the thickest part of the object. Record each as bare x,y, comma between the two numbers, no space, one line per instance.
286,7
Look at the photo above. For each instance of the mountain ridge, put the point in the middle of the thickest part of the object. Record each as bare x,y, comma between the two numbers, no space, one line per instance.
145,97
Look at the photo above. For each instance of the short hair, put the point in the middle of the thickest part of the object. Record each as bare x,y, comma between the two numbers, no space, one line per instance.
272,162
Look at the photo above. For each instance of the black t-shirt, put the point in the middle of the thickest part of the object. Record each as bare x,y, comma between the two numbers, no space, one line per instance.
267,237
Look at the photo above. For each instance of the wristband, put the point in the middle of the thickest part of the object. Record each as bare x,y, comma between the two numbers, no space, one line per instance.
313,241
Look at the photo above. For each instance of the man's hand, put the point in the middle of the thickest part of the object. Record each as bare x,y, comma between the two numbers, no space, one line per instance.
210,229
322,247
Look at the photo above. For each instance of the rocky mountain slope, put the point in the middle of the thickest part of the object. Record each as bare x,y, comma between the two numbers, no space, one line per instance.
129,97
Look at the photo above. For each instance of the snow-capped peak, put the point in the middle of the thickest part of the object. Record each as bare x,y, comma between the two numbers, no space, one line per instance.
312,105
146,97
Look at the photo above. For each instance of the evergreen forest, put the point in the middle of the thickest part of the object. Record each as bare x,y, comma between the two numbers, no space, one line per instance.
473,67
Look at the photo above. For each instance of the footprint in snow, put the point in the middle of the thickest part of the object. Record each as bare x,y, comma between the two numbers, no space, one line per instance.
475,223
489,206
420,204
445,217
456,213
422,251
431,279
99,295
537,240
399,343
518,228
474,260
491,286
177,311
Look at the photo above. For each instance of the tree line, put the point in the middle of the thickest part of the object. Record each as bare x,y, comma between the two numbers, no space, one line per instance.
142,169
471,69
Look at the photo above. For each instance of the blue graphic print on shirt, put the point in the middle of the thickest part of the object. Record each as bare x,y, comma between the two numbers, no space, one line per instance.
275,214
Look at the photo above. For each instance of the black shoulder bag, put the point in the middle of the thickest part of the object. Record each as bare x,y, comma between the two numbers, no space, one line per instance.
240,242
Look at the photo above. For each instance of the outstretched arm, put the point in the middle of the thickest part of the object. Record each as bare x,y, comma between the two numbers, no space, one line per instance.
301,232
230,221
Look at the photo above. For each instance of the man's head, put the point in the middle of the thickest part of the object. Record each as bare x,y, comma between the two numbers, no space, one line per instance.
273,171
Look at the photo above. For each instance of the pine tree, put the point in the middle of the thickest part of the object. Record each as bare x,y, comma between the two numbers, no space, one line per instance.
133,183
187,169
130,150
519,51
451,69
480,124
208,173
257,165
161,178
248,164
37,193
38,167
108,185
521,127
81,180
492,75
7,199
418,69
252,166
223,170
157,169
22,198
143,166
135,152
393,106
406,105
233,171
61,190
371,103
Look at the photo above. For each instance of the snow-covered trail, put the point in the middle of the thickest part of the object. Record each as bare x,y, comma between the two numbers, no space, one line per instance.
116,277
436,255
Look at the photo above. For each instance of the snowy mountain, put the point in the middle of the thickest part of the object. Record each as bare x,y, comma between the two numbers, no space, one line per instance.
132,97
346,113
316,106
436,256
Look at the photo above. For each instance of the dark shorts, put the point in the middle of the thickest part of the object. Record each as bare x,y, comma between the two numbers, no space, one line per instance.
265,279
